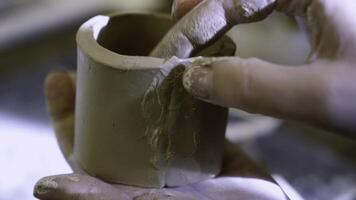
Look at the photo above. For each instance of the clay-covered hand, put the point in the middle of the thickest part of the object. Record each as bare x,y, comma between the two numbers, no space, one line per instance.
321,92
240,178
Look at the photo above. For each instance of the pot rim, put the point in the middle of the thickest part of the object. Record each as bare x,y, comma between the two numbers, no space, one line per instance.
87,43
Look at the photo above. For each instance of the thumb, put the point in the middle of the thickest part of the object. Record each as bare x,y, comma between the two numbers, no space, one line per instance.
76,186
257,86
60,95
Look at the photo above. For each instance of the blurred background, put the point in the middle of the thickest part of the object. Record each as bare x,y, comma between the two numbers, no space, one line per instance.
38,36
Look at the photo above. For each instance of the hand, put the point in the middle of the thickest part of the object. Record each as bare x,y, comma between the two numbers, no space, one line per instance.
321,92
240,178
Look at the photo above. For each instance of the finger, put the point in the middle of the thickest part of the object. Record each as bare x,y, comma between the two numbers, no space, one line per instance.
256,86
224,47
330,23
293,7
182,7
209,20
60,94
76,186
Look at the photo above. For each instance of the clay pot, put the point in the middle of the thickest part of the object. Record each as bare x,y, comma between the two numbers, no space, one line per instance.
135,123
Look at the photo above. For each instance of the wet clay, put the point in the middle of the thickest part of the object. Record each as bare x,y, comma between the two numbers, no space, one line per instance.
135,123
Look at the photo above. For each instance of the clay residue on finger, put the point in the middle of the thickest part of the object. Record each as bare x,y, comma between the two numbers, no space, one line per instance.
72,178
247,11
45,185
194,31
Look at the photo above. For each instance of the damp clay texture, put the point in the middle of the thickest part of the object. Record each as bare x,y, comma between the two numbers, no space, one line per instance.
135,123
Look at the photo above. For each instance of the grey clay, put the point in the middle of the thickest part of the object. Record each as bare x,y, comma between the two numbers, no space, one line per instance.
135,123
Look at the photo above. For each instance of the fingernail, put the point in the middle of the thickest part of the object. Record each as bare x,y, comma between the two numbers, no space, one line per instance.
197,80
45,186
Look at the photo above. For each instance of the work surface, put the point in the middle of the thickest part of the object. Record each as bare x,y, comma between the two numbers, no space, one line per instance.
318,166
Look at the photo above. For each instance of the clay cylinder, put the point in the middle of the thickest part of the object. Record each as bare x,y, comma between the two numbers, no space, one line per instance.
135,124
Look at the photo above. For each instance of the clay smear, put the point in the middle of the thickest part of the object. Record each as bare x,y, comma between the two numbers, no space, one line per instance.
46,184
159,106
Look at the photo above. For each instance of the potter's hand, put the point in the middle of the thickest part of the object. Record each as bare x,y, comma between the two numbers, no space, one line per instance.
321,92
240,179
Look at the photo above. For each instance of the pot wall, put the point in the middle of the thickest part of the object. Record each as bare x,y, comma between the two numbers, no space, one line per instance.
135,123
